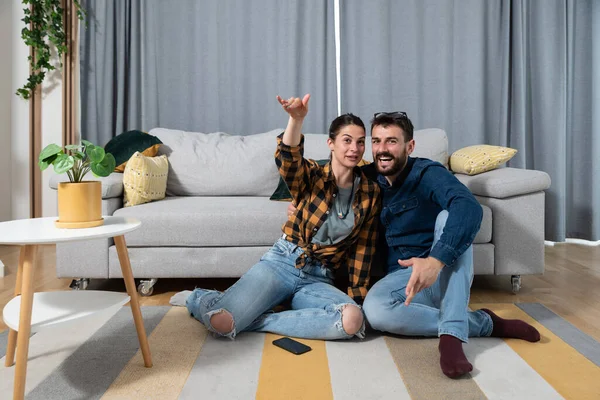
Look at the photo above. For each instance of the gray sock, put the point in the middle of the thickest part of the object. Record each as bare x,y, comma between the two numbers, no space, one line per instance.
179,299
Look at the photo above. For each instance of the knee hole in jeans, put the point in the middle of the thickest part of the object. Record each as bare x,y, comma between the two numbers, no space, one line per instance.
222,322
352,319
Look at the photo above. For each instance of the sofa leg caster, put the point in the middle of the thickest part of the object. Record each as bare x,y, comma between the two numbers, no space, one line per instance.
146,287
516,283
79,284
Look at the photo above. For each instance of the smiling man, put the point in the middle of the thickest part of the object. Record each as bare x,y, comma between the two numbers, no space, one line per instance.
430,220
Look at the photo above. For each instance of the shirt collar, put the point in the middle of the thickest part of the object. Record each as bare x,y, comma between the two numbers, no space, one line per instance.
328,172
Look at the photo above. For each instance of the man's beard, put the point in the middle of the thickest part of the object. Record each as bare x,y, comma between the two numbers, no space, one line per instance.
397,163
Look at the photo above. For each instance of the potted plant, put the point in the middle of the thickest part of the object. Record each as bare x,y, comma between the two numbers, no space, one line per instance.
79,201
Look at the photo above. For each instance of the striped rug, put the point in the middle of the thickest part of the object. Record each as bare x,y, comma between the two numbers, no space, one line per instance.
98,358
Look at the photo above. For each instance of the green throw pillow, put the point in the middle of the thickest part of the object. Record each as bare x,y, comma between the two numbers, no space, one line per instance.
125,145
282,193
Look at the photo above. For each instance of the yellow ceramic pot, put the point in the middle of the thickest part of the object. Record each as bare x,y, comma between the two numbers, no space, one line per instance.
79,204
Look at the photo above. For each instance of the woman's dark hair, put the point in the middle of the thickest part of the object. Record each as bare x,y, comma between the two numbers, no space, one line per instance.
342,121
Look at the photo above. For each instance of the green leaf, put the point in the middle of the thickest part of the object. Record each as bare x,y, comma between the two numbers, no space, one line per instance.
45,163
49,151
95,153
86,143
78,155
72,147
63,163
105,167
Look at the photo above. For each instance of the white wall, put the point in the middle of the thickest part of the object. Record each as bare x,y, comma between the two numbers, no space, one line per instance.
19,121
5,108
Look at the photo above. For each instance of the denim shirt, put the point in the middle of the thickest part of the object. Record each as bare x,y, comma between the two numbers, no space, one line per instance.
410,209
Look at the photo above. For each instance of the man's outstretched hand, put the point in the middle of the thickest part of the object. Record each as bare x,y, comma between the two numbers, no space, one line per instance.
296,107
424,273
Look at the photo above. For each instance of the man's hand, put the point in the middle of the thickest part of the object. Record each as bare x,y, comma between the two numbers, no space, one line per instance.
296,107
424,274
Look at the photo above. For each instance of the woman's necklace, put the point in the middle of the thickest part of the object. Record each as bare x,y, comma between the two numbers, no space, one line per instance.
343,214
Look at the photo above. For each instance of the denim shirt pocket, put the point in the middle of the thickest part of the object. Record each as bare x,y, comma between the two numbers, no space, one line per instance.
398,218
404,205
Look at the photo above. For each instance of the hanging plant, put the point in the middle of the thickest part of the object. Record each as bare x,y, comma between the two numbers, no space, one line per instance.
47,27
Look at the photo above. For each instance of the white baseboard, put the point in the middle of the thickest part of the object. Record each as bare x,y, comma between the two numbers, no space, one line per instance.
582,242
1,268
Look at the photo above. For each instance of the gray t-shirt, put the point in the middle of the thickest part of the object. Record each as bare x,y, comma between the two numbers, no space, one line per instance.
340,220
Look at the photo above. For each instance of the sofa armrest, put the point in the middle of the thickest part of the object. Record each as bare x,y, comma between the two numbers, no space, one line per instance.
112,185
506,182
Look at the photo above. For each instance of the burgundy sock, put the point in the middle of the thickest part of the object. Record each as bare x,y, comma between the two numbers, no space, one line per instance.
512,328
453,361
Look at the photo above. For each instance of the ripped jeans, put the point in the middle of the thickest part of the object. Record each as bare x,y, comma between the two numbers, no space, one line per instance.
316,305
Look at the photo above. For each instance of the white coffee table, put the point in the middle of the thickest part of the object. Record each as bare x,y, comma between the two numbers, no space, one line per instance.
28,312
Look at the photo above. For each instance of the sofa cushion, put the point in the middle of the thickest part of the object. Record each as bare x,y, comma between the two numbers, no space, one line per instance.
473,160
506,182
124,145
220,164
144,179
221,221
207,221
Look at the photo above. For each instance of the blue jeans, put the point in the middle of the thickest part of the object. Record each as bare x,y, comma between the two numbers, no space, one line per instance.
316,305
441,309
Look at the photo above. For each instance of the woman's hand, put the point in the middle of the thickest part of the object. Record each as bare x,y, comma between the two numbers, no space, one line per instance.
296,107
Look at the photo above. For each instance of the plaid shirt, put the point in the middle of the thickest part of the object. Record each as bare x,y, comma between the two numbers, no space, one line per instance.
313,190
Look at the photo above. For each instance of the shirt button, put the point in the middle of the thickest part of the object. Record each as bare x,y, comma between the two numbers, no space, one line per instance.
334,194
404,206
327,212
315,229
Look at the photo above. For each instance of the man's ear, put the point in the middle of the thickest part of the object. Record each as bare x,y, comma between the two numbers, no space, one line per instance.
410,147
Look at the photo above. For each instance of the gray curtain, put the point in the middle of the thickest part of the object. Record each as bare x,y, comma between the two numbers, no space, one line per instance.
520,73
203,65
443,62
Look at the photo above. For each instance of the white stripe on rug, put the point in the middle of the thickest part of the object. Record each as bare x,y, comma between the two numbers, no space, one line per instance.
503,374
226,369
49,348
364,368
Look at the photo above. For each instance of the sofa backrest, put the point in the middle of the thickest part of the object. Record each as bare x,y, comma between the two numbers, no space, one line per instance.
220,164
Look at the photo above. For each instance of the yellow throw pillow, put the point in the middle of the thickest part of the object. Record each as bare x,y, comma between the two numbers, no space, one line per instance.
474,160
144,179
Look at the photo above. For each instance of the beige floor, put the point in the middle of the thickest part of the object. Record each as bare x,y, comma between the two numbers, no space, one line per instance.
570,285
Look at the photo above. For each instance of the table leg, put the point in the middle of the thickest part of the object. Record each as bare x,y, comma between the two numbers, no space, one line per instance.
24,321
12,335
135,304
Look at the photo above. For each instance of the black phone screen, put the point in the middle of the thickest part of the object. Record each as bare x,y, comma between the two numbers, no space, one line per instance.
291,345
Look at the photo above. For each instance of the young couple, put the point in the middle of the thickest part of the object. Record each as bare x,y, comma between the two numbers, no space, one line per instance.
427,217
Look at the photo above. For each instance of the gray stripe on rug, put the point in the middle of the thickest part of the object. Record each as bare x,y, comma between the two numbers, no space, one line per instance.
582,342
4,342
93,367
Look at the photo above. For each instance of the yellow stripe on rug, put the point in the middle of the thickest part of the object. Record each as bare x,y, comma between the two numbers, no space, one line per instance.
173,360
284,375
563,367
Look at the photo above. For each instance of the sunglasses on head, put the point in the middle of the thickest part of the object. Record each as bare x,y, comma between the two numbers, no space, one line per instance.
393,114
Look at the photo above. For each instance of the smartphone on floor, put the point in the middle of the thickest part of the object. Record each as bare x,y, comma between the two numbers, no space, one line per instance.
291,345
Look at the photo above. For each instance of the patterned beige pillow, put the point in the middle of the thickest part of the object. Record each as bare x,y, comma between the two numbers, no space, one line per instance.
474,160
144,179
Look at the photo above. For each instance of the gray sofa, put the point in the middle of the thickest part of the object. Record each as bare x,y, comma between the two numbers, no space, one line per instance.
217,219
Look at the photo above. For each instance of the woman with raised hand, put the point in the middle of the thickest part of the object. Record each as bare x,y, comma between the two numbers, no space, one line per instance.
333,229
